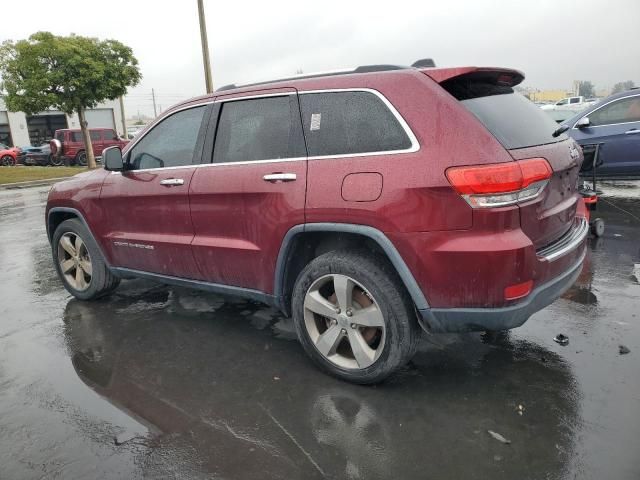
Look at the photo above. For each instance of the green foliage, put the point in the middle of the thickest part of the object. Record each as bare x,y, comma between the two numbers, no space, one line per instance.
64,73
586,89
623,86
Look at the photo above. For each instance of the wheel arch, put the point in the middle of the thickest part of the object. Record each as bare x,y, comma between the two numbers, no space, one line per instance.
303,243
57,215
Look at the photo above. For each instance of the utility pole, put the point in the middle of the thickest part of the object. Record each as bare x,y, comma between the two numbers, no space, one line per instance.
124,119
205,48
153,95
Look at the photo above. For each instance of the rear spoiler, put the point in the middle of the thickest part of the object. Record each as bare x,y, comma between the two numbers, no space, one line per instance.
500,76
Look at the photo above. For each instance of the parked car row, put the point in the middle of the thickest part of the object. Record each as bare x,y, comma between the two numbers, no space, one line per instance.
68,148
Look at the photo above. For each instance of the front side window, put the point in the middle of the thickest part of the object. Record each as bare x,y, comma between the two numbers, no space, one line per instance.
258,129
343,123
171,143
621,111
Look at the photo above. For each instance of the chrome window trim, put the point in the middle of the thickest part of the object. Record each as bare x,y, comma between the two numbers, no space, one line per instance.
602,106
415,145
159,120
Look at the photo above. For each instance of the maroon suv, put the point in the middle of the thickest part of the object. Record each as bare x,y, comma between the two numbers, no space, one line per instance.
69,145
365,204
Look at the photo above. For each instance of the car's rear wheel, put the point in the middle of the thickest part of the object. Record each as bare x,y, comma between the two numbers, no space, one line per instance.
7,161
81,158
353,316
79,262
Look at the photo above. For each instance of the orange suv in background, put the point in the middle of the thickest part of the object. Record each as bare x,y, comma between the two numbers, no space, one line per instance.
71,150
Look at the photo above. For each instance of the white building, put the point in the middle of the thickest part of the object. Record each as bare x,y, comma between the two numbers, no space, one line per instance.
18,129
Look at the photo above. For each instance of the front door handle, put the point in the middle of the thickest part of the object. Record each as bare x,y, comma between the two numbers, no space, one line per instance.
172,182
632,131
280,177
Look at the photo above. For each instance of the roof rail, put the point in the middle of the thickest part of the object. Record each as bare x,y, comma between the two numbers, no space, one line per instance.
361,69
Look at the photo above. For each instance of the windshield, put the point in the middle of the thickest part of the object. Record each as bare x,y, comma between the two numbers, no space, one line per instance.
515,121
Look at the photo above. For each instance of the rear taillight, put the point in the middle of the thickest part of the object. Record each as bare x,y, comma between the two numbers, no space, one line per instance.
500,184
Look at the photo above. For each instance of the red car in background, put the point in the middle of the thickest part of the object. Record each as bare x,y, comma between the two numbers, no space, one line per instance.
8,155
71,149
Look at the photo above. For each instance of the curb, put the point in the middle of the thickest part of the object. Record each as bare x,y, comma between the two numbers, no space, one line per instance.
31,183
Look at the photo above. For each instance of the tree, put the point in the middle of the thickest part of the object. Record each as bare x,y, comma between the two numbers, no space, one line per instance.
70,74
623,86
586,89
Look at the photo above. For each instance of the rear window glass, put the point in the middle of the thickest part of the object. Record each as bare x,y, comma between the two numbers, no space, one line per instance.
342,123
515,121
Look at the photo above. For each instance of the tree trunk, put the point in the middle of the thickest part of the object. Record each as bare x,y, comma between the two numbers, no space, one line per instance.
91,159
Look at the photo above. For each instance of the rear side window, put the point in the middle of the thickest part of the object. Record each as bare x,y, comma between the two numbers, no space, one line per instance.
76,136
515,121
171,143
621,111
95,135
110,135
343,123
258,129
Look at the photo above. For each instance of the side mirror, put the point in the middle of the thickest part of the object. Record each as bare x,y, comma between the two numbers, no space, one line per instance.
583,122
112,159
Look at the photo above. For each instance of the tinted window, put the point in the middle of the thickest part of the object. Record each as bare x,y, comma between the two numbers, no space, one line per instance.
109,135
170,143
258,129
60,136
620,111
95,135
515,121
341,123
76,136
574,100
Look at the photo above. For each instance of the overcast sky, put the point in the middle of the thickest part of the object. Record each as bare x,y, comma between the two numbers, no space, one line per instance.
554,42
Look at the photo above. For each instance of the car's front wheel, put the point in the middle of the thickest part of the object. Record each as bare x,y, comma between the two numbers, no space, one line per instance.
7,161
79,262
353,316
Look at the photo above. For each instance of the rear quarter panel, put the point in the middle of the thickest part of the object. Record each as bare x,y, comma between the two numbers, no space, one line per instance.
416,195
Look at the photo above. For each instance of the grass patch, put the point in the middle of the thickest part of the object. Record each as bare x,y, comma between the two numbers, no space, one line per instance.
25,174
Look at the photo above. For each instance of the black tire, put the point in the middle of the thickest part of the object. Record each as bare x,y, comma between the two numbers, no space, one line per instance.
597,227
384,286
102,281
7,161
81,158
56,160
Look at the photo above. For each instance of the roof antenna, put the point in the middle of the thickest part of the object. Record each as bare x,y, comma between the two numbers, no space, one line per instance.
424,63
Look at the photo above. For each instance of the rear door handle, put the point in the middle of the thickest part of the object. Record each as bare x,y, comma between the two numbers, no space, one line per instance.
632,131
280,177
172,182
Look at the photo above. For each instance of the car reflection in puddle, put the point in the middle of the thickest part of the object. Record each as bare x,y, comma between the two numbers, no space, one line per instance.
222,380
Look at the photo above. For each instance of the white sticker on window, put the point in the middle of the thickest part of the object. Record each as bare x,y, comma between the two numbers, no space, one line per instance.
315,121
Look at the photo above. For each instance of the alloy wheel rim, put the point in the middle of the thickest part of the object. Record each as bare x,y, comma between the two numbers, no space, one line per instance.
75,261
7,161
344,322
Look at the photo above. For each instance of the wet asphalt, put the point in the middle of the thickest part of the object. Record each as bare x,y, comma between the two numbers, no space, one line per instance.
163,382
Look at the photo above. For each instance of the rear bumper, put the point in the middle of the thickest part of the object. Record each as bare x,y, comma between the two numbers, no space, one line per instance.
440,320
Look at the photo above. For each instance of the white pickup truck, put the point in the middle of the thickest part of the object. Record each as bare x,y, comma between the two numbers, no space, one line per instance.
570,103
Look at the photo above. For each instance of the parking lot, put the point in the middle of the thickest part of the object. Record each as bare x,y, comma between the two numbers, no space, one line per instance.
157,381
